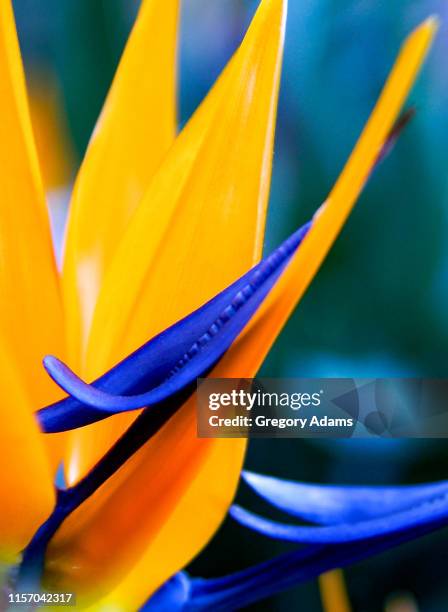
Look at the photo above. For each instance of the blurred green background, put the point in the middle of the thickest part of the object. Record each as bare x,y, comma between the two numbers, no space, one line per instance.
378,306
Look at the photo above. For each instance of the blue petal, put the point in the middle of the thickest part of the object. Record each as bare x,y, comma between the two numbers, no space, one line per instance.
329,505
172,360
433,509
266,579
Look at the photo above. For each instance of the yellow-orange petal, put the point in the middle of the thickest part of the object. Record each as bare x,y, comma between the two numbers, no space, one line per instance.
26,481
168,520
136,128
201,222
30,305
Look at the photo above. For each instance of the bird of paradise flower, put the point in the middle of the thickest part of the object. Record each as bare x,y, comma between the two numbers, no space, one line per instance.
163,238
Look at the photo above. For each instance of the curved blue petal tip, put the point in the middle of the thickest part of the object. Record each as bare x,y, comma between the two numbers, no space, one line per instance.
172,361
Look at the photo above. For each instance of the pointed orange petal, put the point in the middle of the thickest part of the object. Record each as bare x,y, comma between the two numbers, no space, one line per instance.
134,131
30,308
27,488
258,337
201,222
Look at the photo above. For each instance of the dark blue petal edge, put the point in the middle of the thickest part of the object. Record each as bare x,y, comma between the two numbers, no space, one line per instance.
172,360
265,579
240,589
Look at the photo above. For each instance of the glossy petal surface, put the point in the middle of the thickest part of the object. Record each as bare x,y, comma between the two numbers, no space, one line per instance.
333,505
431,510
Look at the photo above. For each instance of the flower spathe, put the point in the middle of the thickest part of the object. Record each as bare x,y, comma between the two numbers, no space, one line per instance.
180,218
174,359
